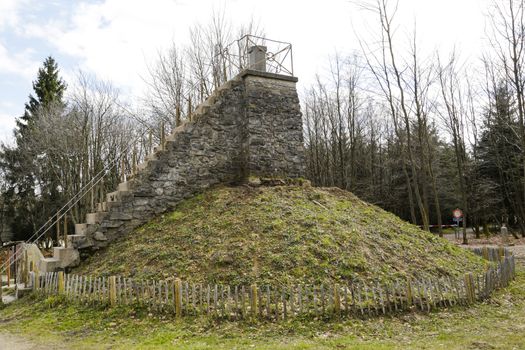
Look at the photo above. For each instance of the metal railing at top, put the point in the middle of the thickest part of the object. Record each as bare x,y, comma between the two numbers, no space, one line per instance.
232,59
277,56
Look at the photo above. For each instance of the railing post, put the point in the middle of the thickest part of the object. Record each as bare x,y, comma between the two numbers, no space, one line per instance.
150,141
134,162
189,108
8,269
65,230
177,116
162,136
58,227
123,166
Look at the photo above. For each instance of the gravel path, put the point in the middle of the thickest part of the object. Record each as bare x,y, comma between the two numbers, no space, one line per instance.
16,342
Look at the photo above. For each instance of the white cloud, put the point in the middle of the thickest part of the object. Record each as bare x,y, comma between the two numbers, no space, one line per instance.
9,16
115,39
7,124
18,63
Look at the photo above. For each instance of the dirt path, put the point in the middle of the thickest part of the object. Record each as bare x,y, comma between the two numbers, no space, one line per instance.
16,342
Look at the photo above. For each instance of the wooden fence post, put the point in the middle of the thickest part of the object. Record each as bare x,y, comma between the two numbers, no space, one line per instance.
112,290
468,293
409,293
61,282
337,301
253,300
178,298
8,271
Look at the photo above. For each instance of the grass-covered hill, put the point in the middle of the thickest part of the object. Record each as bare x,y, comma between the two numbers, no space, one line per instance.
279,234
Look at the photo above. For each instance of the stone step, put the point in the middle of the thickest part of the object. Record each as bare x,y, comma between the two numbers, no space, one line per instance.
95,218
117,196
102,206
78,241
67,257
142,166
125,186
151,156
80,229
202,109
49,265
224,86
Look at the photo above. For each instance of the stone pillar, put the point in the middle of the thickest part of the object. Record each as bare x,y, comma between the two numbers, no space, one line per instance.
273,140
257,58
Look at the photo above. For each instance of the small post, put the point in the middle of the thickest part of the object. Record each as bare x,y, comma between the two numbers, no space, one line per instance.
92,198
189,108
65,230
8,270
58,227
150,141
162,135
61,285
123,166
178,298
113,291
177,116
134,162
253,300
257,58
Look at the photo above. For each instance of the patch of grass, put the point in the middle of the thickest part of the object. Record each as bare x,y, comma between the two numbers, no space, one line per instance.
284,235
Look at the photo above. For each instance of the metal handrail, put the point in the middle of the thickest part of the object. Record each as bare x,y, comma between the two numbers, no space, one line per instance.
82,192
94,181
279,59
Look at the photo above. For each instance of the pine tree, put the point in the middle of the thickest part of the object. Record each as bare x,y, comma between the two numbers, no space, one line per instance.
499,163
49,89
22,164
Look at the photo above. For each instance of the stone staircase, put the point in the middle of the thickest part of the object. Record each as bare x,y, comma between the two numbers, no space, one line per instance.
250,126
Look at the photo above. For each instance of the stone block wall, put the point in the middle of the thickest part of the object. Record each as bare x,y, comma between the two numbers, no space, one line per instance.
251,126
274,126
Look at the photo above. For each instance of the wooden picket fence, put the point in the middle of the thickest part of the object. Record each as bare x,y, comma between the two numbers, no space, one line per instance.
491,253
358,298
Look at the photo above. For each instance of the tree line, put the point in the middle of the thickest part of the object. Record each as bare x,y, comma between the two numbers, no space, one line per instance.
420,136
417,135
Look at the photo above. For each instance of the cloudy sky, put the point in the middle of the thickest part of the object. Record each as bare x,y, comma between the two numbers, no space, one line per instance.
117,39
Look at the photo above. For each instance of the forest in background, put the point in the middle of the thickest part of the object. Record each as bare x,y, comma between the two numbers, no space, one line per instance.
416,134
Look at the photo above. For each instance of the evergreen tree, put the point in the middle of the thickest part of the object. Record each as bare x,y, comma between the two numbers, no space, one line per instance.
31,192
499,159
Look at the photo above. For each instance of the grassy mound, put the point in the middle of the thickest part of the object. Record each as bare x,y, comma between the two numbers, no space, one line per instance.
283,234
